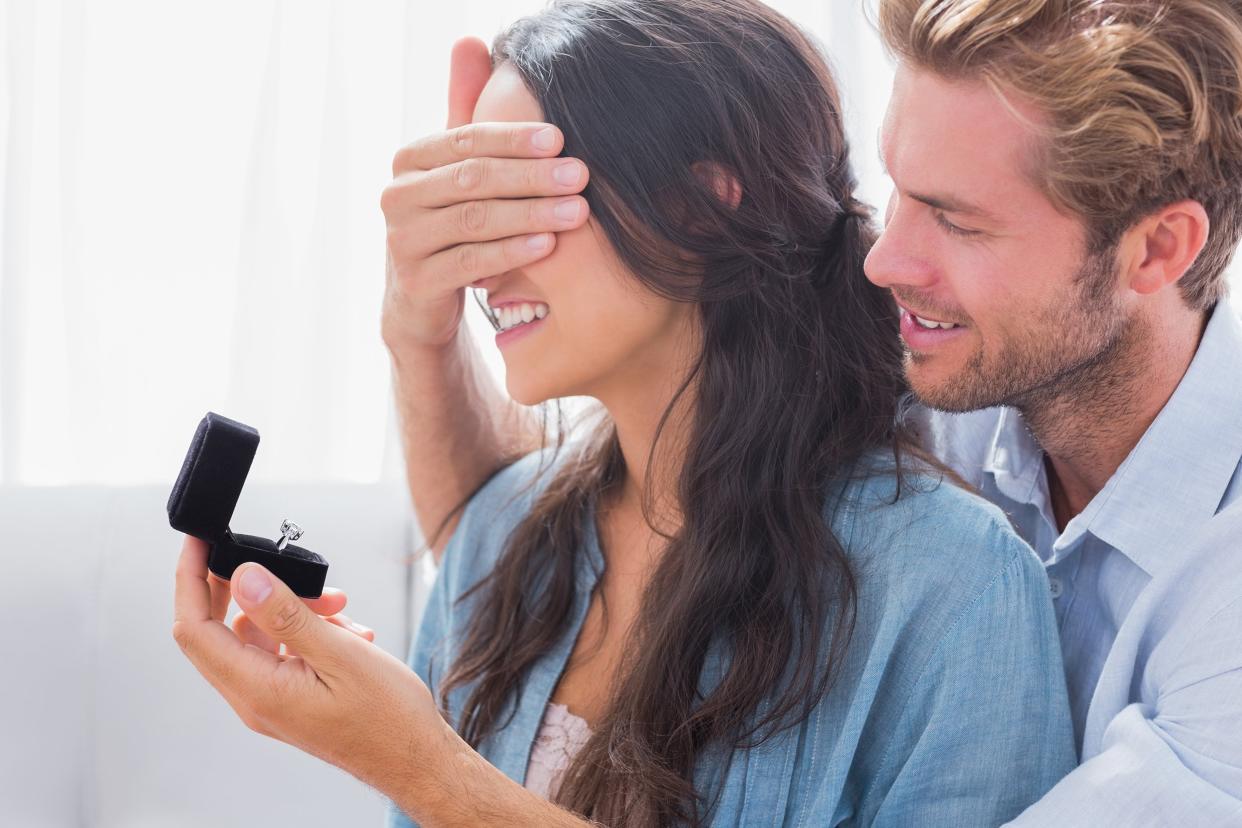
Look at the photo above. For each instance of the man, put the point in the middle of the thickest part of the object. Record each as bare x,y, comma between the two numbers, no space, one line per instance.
1068,192
1066,200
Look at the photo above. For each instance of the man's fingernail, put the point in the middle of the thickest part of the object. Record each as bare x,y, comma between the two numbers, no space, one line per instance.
539,242
255,585
544,139
568,210
568,174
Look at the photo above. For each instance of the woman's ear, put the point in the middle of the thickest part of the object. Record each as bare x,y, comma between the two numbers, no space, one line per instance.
721,180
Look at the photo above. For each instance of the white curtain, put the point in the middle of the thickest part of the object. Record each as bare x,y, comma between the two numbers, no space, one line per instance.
189,220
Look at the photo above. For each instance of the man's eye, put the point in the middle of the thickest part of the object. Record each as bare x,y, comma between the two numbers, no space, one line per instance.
953,229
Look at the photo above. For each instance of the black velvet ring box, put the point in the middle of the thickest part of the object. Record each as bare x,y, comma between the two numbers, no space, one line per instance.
206,493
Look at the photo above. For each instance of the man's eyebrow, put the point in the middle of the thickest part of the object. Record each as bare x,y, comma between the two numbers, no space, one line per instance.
943,203
947,204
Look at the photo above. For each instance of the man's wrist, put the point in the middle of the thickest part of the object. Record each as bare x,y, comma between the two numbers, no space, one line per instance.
421,773
447,784
405,348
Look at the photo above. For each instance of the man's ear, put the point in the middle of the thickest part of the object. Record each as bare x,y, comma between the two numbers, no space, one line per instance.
721,180
1165,245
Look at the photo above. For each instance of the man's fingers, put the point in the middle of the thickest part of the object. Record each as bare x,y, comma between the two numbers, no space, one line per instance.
223,660
220,596
192,594
283,616
477,179
248,633
470,66
330,602
482,221
467,263
346,623
485,140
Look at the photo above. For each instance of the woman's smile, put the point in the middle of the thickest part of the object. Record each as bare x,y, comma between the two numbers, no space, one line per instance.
515,316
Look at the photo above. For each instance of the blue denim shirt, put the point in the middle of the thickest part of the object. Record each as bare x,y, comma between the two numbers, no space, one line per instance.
949,708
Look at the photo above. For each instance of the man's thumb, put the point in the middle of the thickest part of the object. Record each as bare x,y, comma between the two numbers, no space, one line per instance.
469,71
275,610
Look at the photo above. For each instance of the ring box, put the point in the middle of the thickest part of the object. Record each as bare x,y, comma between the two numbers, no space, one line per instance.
206,493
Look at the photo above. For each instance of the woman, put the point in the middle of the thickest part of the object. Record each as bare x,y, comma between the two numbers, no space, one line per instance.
738,597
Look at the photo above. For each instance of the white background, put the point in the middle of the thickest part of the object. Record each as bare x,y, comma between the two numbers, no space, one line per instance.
189,221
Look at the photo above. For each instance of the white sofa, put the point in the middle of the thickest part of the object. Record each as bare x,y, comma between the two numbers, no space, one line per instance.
103,722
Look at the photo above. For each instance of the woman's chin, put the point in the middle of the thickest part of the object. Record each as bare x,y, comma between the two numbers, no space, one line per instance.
528,393
532,387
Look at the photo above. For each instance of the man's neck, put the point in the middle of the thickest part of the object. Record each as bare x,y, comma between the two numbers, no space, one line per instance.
1088,431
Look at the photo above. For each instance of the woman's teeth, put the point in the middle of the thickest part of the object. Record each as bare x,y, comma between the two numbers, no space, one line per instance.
510,316
932,324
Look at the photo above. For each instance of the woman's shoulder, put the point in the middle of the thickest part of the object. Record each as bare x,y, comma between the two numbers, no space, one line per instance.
495,510
922,536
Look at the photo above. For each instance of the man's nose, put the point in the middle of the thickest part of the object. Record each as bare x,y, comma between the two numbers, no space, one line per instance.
900,255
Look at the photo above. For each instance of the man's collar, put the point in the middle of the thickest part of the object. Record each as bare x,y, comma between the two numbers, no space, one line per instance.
1015,460
1177,474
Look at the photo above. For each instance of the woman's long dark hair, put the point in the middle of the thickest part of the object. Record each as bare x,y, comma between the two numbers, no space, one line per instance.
800,374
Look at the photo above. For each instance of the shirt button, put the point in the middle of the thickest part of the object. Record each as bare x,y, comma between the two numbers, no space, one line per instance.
1055,587
1001,459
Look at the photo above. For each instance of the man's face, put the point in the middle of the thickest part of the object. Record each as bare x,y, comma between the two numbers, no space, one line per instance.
971,240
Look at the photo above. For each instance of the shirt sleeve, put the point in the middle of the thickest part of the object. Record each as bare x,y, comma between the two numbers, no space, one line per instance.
1172,753
986,730
1175,762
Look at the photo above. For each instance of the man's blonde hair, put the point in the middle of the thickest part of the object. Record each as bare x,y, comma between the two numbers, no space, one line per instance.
1142,103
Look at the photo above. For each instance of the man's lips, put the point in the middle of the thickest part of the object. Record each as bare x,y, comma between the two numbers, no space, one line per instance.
927,320
920,336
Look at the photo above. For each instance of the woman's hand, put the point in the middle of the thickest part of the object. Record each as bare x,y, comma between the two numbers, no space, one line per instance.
335,695
469,203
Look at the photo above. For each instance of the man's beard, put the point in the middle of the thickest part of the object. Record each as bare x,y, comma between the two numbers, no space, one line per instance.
1076,348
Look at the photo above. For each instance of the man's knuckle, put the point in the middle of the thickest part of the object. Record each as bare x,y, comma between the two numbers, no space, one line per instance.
516,140
468,175
403,159
472,217
288,620
389,198
508,255
466,258
462,140
534,213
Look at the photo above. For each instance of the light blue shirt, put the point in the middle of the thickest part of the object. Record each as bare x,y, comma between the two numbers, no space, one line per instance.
948,711
1147,584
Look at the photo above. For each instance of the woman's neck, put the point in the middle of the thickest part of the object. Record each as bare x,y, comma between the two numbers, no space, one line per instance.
636,412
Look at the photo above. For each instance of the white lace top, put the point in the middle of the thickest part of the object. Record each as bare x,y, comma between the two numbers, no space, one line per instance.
561,735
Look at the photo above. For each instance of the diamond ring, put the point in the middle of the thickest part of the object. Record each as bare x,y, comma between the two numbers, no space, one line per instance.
289,531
